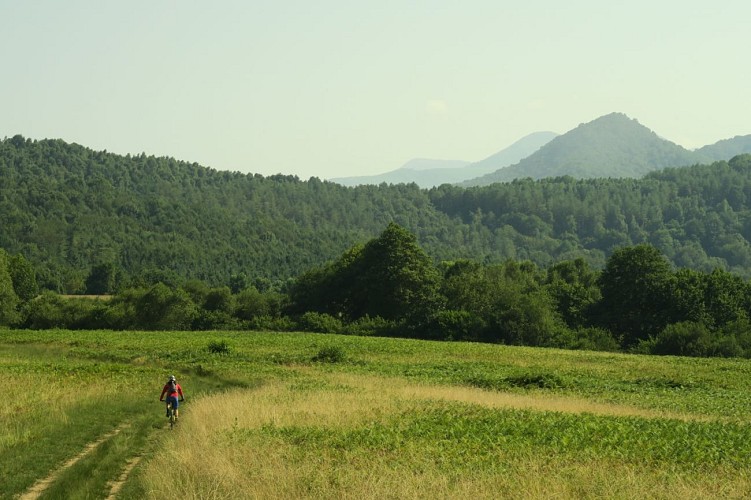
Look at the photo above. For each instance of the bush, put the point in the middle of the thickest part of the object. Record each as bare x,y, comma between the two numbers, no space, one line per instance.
727,347
684,339
46,311
740,332
273,324
216,320
588,339
330,354
454,325
369,326
319,322
163,308
251,304
219,347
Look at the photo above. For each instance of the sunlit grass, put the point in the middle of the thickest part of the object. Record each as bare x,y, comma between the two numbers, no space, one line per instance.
350,436
389,418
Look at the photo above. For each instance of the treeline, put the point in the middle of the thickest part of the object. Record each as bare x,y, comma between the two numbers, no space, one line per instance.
72,212
389,286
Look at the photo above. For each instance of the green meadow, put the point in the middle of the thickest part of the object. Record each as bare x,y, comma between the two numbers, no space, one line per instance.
292,415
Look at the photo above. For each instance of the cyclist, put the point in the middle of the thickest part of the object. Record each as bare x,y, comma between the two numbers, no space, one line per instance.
172,389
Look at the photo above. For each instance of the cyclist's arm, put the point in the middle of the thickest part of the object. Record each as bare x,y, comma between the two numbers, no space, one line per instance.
161,396
180,390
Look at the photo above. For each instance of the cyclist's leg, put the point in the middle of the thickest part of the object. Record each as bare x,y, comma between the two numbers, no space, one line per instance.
172,403
176,406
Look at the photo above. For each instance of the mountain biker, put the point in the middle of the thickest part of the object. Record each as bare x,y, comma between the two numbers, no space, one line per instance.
172,389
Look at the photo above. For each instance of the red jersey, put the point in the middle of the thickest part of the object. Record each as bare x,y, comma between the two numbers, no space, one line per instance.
171,392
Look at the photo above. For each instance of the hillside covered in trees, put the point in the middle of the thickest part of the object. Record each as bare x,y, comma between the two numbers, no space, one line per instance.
390,287
69,211
613,145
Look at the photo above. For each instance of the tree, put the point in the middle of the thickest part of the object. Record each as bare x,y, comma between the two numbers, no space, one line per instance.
23,276
8,297
573,287
102,279
635,287
238,282
219,299
250,304
162,308
390,277
397,278
507,300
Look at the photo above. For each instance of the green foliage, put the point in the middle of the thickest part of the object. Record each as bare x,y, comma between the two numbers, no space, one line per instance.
683,339
589,339
103,379
390,277
8,298
45,312
50,310
161,308
238,282
508,299
67,209
369,326
313,321
695,339
330,354
525,380
219,347
397,277
635,288
23,276
454,325
573,287
219,300
250,304
102,279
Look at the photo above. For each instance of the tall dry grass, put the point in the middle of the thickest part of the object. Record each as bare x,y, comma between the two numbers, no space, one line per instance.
219,451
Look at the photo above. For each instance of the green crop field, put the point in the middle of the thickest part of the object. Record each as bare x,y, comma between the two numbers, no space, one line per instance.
286,415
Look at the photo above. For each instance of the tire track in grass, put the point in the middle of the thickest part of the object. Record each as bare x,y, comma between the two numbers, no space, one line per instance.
117,485
41,486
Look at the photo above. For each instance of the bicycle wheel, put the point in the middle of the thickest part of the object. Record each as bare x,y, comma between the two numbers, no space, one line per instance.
171,417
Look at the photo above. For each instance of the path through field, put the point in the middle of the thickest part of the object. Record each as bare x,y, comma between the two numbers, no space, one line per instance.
40,486
117,485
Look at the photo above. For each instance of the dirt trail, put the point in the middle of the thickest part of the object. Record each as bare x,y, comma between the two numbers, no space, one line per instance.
40,486
117,485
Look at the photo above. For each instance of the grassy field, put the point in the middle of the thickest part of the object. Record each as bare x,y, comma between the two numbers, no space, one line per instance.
272,415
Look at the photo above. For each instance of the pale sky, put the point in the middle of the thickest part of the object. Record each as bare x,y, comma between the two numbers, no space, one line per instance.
340,88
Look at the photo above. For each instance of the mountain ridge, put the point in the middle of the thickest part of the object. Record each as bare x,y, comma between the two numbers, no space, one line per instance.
611,146
443,172
67,208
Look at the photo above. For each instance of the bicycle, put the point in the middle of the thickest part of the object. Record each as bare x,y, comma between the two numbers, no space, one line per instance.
172,416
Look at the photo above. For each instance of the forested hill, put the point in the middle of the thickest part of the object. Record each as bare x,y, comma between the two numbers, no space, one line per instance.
67,209
613,145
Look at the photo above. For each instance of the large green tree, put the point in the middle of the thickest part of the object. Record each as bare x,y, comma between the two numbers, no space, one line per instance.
573,286
635,287
390,277
397,279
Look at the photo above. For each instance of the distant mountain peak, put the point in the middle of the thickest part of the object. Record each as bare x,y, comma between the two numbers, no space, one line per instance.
430,164
613,145
428,173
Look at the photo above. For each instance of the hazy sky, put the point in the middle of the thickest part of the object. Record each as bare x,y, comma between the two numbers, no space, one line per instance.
333,88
